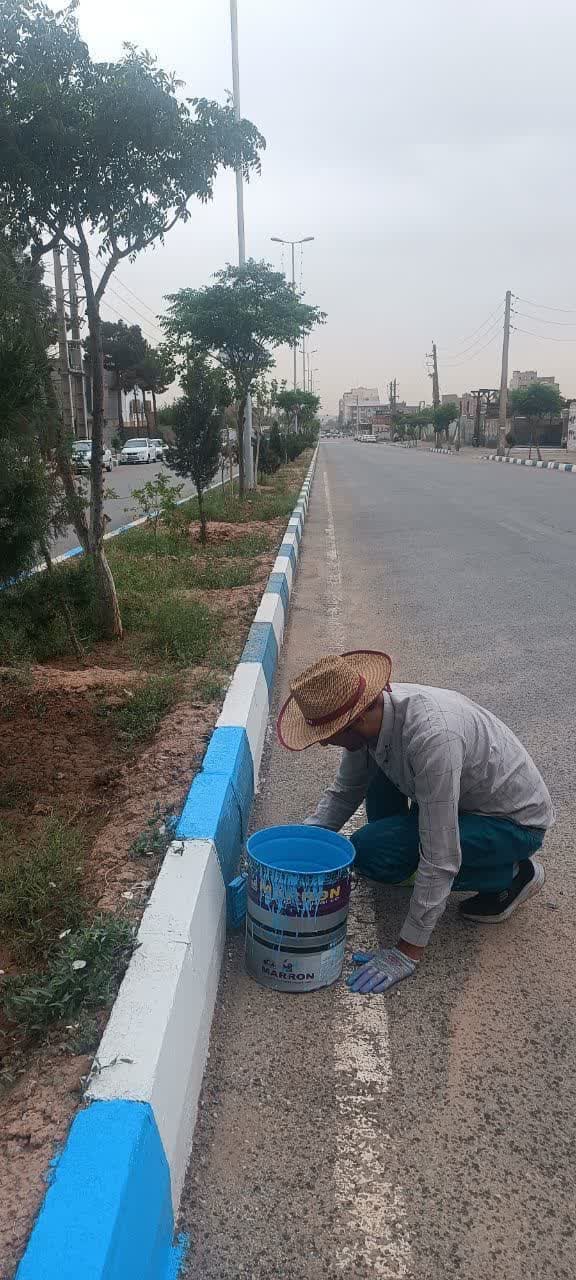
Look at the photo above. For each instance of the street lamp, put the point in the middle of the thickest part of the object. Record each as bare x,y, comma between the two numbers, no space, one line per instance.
248,457
293,243
310,354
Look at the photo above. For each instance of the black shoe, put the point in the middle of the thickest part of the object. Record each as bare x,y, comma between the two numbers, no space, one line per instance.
490,908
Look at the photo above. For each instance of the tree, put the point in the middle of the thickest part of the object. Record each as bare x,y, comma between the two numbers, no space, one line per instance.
26,497
537,401
154,372
238,321
442,416
123,347
198,416
104,152
299,405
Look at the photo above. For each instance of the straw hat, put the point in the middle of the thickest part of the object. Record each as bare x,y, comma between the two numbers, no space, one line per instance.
330,695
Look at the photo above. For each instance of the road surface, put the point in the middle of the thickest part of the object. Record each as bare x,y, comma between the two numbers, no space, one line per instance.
122,508
427,1135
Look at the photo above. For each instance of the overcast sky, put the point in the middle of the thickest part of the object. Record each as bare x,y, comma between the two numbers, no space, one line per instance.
428,147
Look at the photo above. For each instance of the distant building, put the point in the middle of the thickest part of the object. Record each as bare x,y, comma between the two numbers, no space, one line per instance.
353,400
522,378
451,399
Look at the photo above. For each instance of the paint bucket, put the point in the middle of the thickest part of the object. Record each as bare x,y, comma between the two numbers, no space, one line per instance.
298,898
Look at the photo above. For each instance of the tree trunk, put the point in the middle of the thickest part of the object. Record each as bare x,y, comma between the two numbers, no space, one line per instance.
119,396
240,438
136,410
107,600
155,408
202,515
65,607
257,459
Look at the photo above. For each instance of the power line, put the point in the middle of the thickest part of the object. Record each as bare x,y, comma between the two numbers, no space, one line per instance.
96,259
461,363
459,341
568,324
543,307
544,337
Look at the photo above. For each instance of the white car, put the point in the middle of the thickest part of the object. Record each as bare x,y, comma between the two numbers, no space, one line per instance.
82,456
159,447
138,450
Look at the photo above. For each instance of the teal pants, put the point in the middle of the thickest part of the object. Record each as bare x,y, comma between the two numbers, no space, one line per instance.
387,848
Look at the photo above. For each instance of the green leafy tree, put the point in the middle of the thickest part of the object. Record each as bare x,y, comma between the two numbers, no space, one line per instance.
537,402
154,372
239,321
198,417
123,348
101,153
443,416
26,499
302,406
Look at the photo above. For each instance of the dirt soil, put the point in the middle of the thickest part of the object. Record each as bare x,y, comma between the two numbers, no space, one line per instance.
59,754
62,756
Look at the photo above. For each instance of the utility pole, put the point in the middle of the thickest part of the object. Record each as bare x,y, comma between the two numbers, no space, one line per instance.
392,393
304,362
434,375
76,365
63,365
504,373
247,446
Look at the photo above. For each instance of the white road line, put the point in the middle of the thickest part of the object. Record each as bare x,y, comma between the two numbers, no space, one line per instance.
373,1209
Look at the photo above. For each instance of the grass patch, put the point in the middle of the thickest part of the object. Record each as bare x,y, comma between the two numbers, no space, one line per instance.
146,707
144,577
40,885
83,974
181,631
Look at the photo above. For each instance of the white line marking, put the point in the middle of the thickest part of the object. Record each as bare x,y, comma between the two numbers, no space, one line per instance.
376,1238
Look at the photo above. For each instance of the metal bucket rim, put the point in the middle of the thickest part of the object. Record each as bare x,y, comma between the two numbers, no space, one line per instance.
302,830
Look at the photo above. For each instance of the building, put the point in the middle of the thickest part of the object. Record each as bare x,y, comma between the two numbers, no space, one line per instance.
522,378
352,401
451,399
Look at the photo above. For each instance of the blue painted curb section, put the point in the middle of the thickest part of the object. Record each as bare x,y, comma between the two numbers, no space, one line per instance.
530,462
113,1198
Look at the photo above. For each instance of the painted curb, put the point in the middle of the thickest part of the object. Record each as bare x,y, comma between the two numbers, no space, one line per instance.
110,1209
530,462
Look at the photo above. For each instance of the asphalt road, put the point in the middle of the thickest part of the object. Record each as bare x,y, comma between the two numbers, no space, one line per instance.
427,1135
122,508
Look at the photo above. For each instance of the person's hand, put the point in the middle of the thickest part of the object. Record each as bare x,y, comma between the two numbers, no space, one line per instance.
380,970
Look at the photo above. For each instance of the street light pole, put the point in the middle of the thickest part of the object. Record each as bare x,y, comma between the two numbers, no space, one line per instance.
293,243
247,443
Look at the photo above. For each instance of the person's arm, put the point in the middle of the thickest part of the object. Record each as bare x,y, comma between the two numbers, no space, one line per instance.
436,756
342,798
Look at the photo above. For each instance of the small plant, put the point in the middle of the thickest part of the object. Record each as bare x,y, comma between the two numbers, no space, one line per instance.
146,707
208,688
40,884
157,500
83,973
157,835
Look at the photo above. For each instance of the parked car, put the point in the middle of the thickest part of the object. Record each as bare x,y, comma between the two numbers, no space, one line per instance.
82,456
159,449
138,450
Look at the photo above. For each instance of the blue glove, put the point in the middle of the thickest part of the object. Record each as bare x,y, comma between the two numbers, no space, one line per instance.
380,970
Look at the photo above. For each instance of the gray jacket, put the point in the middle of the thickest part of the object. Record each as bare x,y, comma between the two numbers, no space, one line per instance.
447,754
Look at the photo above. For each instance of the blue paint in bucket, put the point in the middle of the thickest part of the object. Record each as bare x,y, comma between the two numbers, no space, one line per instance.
298,898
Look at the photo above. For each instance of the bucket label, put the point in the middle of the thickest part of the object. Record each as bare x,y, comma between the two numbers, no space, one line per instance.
312,972
285,893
